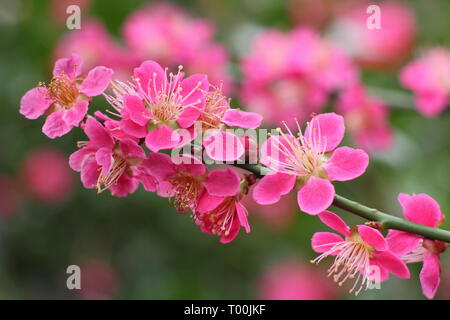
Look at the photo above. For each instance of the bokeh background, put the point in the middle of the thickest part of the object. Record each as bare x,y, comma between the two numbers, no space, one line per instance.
139,247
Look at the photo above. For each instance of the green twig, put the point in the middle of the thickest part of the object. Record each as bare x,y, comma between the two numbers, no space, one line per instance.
387,221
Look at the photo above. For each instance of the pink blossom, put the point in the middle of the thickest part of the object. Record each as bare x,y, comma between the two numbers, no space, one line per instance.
65,100
384,47
106,163
221,144
429,79
422,209
366,118
155,105
303,162
292,280
357,255
291,75
219,210
165,33
96,47
47,175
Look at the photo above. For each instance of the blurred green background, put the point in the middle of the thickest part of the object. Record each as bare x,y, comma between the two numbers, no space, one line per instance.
139,247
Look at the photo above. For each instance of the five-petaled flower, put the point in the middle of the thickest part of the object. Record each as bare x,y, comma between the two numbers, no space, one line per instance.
422,209
66,98
302,161
363,254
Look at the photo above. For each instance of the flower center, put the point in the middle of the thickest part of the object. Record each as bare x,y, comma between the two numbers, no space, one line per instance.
63,91
220,220
352,262
186,189
215,107
298,155
118,167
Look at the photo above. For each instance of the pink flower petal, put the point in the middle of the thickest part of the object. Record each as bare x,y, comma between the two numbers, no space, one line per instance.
160,166
148,182
130,149
194,88
151,76
98,135
392,263
242,119
97,80
189,164
223,146
346,164
70,67
234,230
34,103
326,131
422,209
373,238
104,158
242,216
133,129
335,222
55,126
430,276
315,196
76,159
271,187
137,112
222,183
401,242
124,186
208,202
431,103
162,138
74,115
89,173
188,116
324,241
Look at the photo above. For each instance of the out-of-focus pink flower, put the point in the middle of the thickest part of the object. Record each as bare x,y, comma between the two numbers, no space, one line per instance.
98,280
293,280
366,118
10,197
156,104
362,249
385,47
291,75
301,162
429,79
220,211
47,176
165,33
96,47
276,216
422,209
105,163
66,99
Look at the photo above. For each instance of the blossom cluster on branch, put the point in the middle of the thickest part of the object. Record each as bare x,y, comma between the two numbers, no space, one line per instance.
158,110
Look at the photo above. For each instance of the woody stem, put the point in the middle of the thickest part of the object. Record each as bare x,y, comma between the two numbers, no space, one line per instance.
387,221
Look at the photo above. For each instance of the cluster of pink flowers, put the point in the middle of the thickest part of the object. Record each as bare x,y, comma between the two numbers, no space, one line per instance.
291,75
158,110
157,31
